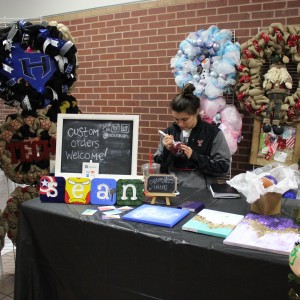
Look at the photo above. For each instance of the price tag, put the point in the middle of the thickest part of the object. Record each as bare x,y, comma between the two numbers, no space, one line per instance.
280,156
90,169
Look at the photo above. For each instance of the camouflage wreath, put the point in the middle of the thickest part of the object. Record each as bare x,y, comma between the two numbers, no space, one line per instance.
269,96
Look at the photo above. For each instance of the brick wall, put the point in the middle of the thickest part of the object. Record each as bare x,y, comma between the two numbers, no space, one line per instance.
124,57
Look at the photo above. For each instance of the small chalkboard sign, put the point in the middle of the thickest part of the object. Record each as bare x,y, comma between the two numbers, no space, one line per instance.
110,140
160,184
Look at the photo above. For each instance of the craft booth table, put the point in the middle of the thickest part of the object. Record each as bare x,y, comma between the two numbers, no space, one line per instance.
63,255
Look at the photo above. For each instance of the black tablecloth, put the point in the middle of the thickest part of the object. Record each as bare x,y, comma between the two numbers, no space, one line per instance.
62,254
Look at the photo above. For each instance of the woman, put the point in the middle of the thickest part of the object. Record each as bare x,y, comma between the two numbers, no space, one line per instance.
204,153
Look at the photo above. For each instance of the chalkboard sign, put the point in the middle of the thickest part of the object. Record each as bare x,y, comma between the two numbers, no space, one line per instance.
161,184
110,140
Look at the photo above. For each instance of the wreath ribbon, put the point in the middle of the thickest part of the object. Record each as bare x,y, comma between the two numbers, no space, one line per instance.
279,45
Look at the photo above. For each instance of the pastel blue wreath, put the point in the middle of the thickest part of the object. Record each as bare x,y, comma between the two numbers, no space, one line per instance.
207,59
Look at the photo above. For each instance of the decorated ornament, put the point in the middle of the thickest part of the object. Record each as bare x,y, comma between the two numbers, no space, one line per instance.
271,178
266,182
176,147
294,259
290,194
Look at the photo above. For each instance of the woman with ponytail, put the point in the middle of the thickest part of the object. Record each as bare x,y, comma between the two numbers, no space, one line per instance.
195,151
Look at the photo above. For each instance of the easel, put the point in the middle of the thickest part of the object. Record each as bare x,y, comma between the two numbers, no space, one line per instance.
160,185
166,195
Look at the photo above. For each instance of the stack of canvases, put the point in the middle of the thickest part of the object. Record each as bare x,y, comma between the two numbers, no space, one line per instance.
39,70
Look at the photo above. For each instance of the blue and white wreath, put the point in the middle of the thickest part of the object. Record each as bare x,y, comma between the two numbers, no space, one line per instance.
209,59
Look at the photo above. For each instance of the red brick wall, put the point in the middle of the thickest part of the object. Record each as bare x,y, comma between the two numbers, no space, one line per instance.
124,57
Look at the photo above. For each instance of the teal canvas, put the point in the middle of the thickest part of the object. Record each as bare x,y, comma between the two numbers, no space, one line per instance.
212,222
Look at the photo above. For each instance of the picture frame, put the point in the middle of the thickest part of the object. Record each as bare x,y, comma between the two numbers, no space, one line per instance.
289,155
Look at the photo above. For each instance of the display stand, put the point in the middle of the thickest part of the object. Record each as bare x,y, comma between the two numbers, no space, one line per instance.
154,195
159,185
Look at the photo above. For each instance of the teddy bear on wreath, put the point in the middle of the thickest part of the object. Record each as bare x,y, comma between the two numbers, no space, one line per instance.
277,84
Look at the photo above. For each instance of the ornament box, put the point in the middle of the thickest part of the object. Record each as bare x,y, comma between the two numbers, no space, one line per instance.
268,204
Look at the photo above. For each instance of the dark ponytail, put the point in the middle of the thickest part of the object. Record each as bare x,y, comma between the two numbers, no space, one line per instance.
186,101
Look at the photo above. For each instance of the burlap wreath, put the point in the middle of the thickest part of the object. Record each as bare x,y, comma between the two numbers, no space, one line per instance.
278,44
11,211
25,131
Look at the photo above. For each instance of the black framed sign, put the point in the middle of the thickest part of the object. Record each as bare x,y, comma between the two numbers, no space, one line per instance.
109,140
160,184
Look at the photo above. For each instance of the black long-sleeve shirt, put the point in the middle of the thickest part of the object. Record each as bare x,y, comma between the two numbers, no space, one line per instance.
210,158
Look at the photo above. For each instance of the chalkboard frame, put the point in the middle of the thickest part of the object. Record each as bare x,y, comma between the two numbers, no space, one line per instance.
100,117
161,193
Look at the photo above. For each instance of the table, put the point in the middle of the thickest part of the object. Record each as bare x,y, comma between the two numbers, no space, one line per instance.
62,254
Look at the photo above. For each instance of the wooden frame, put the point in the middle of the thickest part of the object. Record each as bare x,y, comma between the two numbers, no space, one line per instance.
255,160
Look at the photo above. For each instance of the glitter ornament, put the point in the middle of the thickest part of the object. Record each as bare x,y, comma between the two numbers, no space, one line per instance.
222,76
216,46
196,77
213,74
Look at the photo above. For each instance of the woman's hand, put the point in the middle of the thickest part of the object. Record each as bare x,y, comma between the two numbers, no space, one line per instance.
168,141
186,150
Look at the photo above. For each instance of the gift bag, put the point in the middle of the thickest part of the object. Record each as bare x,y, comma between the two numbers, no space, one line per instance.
268,204
266,200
